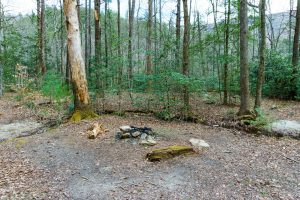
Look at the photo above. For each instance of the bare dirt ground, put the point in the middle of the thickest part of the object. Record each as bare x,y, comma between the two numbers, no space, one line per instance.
63,164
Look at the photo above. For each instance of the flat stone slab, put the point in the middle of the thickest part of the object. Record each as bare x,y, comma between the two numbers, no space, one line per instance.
286,128
16,129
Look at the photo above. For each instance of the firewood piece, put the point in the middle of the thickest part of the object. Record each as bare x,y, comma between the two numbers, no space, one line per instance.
95,130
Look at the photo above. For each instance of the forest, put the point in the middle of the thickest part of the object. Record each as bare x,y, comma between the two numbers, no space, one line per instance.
150,99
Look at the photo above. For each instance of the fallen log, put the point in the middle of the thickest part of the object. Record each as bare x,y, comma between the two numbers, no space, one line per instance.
169,152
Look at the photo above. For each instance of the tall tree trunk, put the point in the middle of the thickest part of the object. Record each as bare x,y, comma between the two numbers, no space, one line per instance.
244,68
86,55
120,67
160,24
226,50
217,43
62,40
106,38
295,57
290,24
41,68
178,20
89,39
149,42
78,13
78,75
262,47
185,55
138,35
130,38
97,43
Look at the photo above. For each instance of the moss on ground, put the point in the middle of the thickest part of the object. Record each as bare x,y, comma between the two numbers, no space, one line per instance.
81,114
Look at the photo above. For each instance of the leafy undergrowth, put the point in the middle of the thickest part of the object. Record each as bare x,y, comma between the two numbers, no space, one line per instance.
203,110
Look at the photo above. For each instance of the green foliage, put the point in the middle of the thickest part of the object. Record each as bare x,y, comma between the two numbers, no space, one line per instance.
164,115
261,120
53,86
278,77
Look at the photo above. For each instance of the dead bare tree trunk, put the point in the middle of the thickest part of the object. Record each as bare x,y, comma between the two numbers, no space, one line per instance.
185,55
262,47
78,75
244,68
149,42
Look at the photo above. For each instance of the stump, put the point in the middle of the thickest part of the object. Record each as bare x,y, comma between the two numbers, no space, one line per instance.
169,152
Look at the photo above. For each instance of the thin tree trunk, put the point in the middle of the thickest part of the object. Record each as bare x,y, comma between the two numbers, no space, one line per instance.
106,39
120,68
160,23
97,43
130,39
178,20
226,50
41,68
185,55
218,50
79,82
138,31
149,42
290,25
61,39
262,47
86,56
244,68
89,39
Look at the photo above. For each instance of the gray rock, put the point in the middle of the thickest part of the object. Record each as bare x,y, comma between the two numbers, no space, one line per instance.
136,134
200,144
17,129
149,141
125,129
120,135
144,136
286,128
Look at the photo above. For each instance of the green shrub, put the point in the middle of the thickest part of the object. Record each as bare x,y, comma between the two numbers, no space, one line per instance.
53,86
278,77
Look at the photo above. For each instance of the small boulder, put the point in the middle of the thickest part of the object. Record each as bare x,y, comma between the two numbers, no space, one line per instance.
149,141
286,128
144,136
136,134
200,144
125,129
